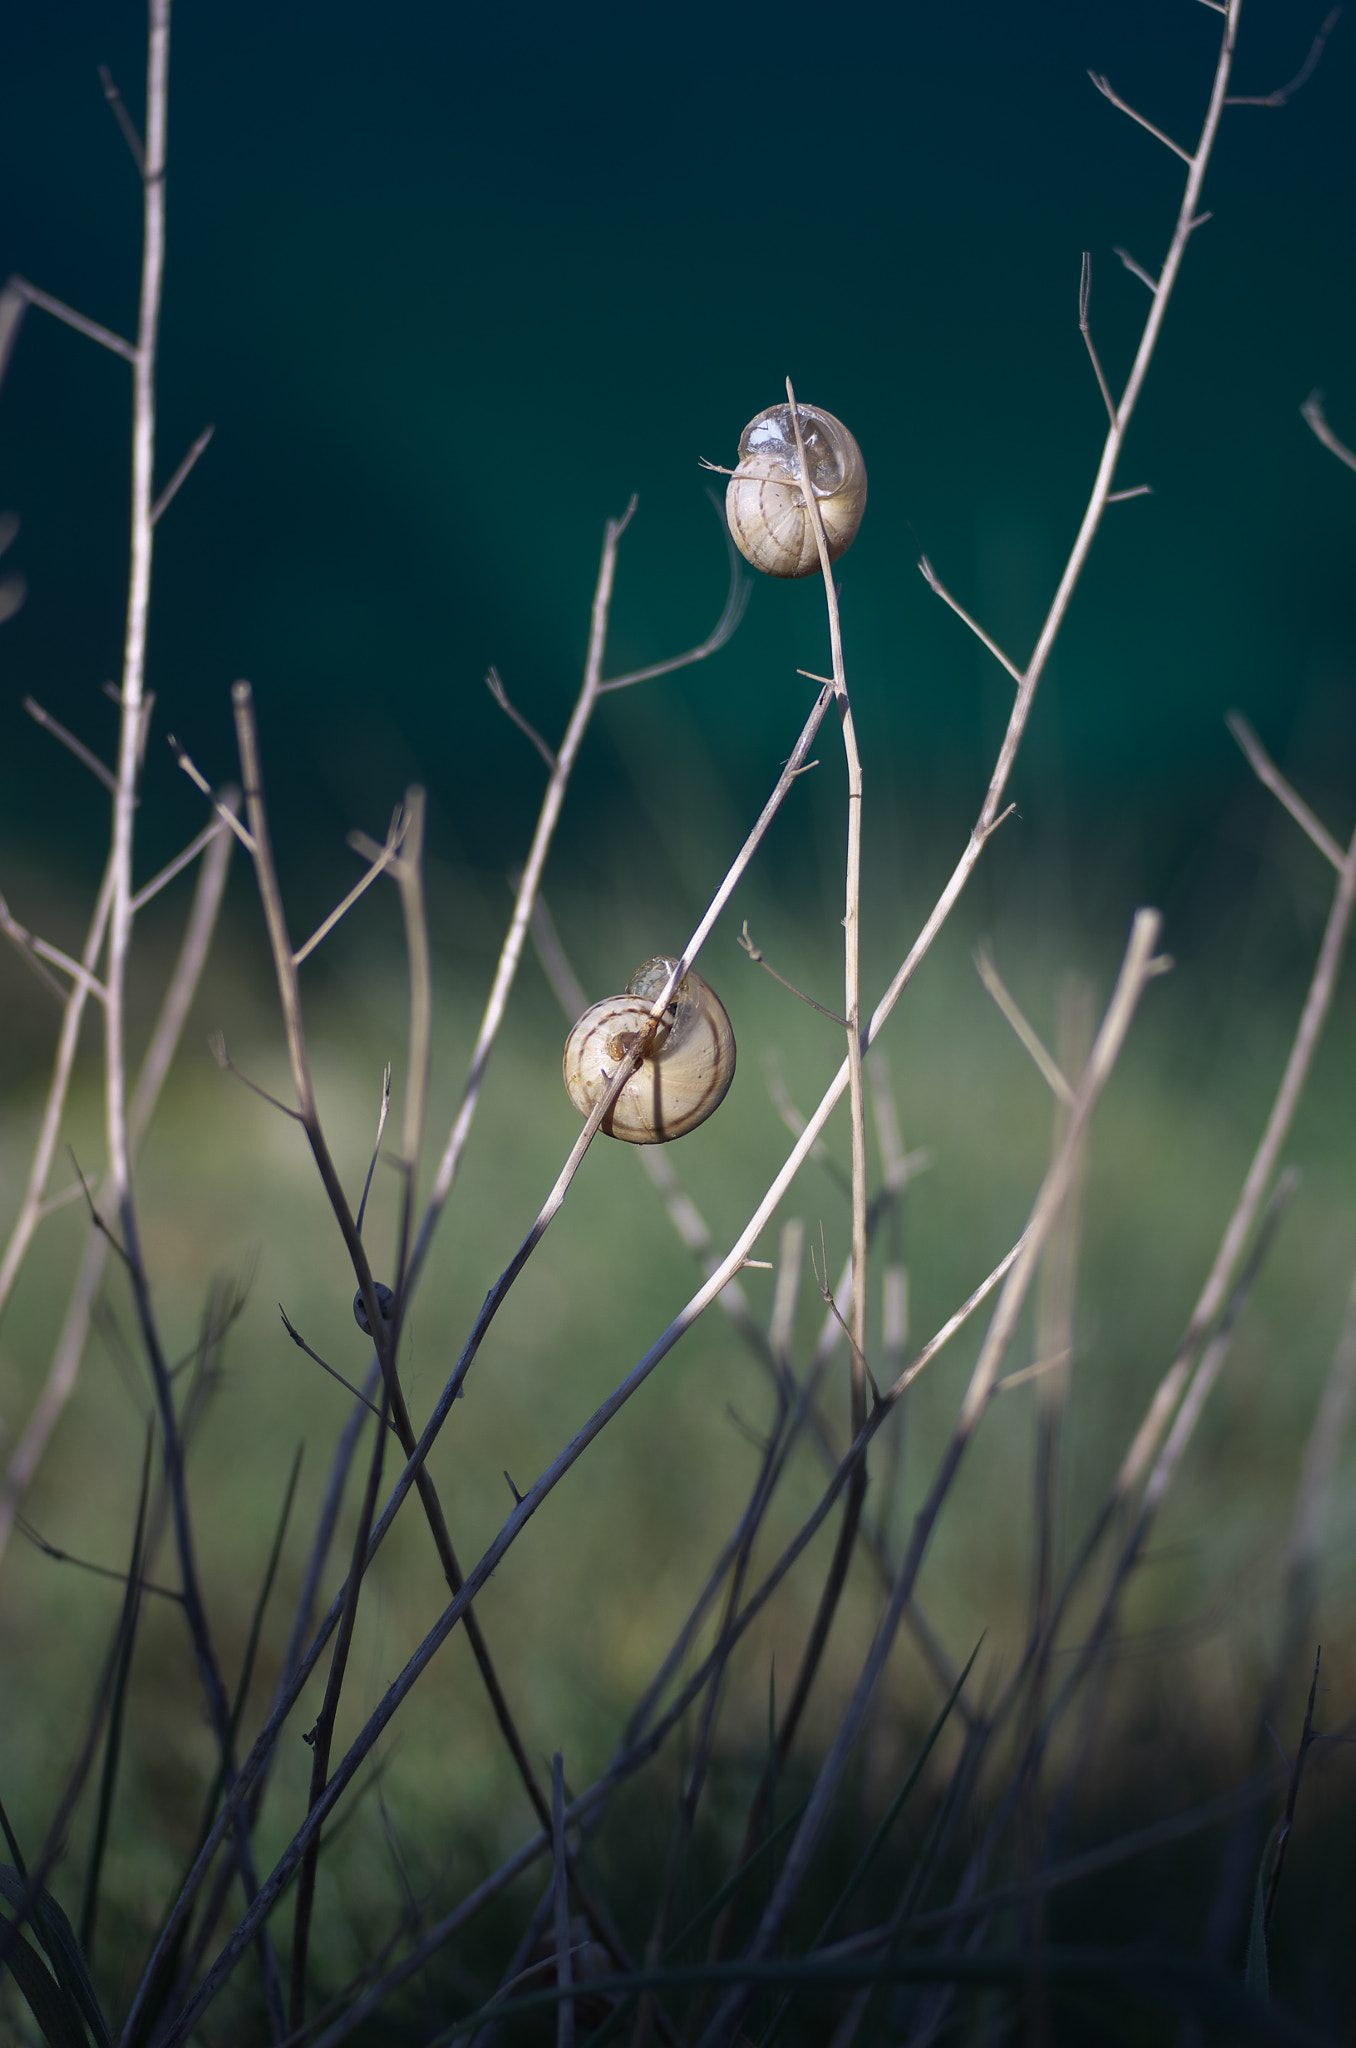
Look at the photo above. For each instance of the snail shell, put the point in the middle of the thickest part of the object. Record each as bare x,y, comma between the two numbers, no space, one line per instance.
683,1078
763,500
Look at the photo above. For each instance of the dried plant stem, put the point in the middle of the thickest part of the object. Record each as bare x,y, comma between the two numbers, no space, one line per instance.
73,1013
132,696
511,951
322,1735
183,985
1313,1016
987,822
1137,969
289,992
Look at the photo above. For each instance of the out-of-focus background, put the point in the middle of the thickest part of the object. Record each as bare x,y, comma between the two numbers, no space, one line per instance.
451,286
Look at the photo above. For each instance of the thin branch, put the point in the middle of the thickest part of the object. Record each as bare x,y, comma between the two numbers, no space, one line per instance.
1270,776
385,858
1135,491
382,1114
229,798
759,960
384,1333
224,810
123,119
501,697
1282,93
934,583
101,1571
994,983
68,739
511,951
1135,269
1136,971
325,1366
91,329
956,1322
216,1045
181,475
736,603
164,1041
1103,86
1317,422
42,949
1084,293
1307,1740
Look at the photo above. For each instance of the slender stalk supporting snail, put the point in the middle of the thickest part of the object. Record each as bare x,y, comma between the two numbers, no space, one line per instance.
684,1076
764,503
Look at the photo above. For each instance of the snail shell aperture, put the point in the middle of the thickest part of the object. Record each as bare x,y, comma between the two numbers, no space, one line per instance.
686,1073
763,500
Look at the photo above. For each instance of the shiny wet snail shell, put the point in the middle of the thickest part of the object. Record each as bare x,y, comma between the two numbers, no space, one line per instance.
763,500
685,1076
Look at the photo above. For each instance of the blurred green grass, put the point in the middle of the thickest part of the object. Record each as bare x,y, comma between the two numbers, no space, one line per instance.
586,1604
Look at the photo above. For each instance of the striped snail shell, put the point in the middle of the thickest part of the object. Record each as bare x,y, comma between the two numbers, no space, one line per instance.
764,503
685,1075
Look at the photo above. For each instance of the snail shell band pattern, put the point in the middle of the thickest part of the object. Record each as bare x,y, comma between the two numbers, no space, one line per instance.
685,1076
763,501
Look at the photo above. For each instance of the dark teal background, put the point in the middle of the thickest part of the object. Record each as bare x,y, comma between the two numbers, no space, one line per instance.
452,283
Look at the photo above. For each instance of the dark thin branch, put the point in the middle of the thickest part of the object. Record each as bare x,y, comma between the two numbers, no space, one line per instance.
302,1345
1307,1741
101,1571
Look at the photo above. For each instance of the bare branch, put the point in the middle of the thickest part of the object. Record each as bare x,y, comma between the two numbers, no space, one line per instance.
756,956
1103,86
229,798
68,739
42,949
123,119
217,1047
1084,292
501,697
994,983
1282,93
1135,269
1270,776
934,583
385,858
188,464
1317,422
1136,491
736,603
382,1115
219,804
91,329
348,1385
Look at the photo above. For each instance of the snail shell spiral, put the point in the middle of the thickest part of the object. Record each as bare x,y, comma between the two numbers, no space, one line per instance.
684,1077
763,500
